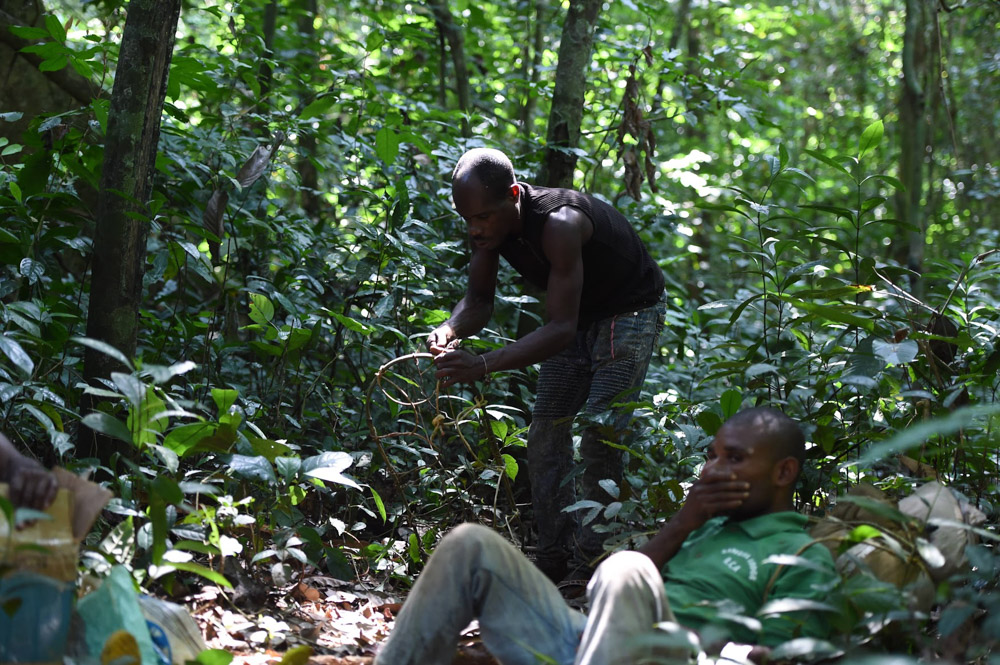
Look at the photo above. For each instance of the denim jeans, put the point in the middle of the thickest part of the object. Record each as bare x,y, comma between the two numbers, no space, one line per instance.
476,574
605,365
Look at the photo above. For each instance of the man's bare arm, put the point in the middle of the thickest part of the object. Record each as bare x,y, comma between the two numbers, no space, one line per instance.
563,237
474,310
710,495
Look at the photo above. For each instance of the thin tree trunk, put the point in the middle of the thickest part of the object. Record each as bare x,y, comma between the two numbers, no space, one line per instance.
308,174
126,180
456,44
913,134
566,115
533,68
269,25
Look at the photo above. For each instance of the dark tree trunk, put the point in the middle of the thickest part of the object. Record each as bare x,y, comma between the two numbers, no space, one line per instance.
456,44
268,28
308,174
532,68
126,181
913,133
575,51
23,87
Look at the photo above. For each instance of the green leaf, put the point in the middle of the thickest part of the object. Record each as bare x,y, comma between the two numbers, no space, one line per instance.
870,138
837,314
185,438
829,161
862,532
730,402
215,657
29,33
331,470
130,386
269,449
896,353
918,435
253,468
207,573
167,489
107,424
261,308
161,374
224,399
31,269
17,355
378,503
55,28
509,466
15,191
742,306
318,107
351,324
53,65
387,145
499,428
104,348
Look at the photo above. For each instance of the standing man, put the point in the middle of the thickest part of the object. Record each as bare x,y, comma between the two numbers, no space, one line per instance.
604,309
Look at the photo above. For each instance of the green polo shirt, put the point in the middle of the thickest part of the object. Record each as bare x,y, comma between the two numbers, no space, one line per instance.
719,578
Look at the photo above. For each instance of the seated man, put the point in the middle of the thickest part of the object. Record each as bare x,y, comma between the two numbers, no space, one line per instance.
711,552
31,485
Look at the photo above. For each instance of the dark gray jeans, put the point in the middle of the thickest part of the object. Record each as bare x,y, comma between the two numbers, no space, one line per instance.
605,366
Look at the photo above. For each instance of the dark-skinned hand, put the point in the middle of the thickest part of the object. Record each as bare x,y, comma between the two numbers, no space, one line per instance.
31,484
441,340
457,366
714,493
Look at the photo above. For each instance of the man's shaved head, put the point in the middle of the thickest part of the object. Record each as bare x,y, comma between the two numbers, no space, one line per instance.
782,435
489,168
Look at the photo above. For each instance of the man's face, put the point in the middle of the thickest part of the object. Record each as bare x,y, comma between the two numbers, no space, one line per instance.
745,455
490,218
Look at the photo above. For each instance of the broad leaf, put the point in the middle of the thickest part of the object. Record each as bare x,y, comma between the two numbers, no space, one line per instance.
17,355
107,424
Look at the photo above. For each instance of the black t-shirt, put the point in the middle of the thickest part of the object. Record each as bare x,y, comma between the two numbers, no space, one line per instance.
619,275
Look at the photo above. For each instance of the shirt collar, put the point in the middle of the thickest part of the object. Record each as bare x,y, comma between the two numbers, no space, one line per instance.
770,524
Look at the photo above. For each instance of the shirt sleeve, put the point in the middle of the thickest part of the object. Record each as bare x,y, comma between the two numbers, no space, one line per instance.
797,603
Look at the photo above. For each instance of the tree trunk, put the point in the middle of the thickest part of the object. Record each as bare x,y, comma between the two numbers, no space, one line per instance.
270,23
913,133
566,114
25,88
126,180
532,69
456,44
308,174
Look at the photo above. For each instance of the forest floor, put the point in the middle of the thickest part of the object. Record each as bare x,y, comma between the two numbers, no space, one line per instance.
341,621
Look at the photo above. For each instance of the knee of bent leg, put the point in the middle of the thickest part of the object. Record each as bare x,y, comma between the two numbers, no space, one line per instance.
466,537
625,570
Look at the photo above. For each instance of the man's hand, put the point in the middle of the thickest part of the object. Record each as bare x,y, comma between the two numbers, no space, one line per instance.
714,493
441,340
31,484
456,366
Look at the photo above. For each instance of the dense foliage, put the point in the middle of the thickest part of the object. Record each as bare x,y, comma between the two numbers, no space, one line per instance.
302,244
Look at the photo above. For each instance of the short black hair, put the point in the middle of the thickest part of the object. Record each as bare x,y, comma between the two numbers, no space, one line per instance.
490,167
782,434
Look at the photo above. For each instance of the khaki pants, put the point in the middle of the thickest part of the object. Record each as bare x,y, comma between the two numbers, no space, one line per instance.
476,574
